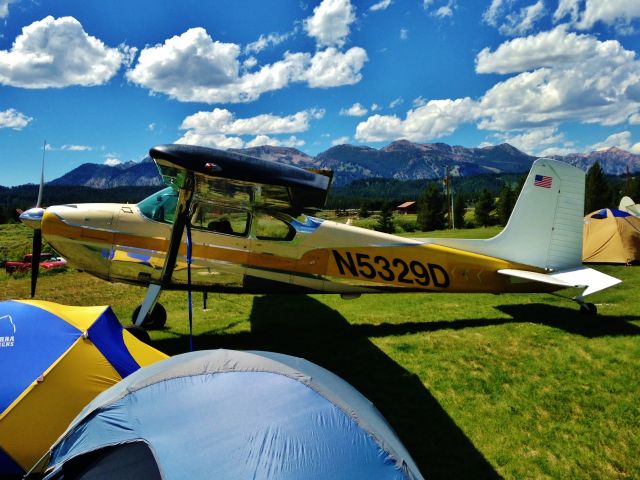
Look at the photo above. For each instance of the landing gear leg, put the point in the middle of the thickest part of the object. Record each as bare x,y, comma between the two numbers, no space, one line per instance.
150,299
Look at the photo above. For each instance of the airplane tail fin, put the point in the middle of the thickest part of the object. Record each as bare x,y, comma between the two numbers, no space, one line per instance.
545,231
545,228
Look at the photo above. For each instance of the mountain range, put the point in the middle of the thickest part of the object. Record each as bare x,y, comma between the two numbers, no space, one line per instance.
402,160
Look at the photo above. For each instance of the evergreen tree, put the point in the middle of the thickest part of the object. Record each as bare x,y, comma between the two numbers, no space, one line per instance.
632,188
364,211
484,206
431,209
506,202
598,192
385,222
635,189
458,211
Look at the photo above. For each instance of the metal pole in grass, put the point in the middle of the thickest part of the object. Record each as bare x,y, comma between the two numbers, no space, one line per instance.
188,226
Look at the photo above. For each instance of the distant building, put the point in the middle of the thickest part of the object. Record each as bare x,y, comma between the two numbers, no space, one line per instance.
407,207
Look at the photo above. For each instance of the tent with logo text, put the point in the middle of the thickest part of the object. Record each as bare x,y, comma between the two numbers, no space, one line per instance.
54,359
229,414
611,236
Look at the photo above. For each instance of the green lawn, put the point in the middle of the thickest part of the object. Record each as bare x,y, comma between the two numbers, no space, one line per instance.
477,386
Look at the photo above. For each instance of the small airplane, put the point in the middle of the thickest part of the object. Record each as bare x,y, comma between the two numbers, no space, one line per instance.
242,224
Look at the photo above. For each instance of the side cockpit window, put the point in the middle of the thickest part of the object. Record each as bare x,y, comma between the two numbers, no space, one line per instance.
160,206
269,227
220,219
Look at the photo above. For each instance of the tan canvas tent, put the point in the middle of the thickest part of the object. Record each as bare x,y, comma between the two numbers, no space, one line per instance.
611,236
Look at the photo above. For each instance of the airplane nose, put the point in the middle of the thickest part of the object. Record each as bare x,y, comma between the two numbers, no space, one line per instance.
32,217
57,215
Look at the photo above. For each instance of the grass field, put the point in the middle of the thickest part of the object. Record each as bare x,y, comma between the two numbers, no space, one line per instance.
477,386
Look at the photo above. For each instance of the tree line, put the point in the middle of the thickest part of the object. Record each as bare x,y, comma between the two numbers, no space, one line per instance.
490,206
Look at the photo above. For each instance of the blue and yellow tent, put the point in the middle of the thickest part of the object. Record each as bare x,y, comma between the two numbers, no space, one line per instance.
54,359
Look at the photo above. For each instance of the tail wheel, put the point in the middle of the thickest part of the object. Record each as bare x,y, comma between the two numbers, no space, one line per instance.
588,309
155,320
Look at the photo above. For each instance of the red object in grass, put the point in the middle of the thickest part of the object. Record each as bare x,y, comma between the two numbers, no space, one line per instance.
47,262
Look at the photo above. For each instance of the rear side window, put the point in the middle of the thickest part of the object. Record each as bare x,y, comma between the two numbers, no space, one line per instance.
269,227
220,219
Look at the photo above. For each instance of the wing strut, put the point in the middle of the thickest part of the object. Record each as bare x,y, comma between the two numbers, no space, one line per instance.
185,195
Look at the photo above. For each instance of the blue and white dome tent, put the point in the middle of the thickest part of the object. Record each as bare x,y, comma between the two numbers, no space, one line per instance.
230,414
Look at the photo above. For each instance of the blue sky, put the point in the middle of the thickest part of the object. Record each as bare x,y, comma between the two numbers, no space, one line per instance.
102,82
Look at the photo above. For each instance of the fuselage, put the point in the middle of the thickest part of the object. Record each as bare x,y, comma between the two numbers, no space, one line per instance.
261,251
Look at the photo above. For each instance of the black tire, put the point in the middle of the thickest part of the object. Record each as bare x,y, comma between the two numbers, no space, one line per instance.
139,332
155,320
588,309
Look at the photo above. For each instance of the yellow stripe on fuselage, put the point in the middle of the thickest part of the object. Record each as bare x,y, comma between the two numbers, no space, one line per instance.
427,267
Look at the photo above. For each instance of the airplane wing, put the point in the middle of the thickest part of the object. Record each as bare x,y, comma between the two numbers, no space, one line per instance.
229,177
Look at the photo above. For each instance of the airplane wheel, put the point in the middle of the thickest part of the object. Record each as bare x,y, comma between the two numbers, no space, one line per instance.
140,333
155,320
588,309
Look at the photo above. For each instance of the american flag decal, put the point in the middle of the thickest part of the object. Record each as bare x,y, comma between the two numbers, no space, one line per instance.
543,181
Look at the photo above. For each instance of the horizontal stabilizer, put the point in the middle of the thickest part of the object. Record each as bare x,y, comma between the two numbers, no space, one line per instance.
580,277
593,279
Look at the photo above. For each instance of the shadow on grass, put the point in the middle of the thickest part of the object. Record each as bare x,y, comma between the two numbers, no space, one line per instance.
567,319
304,327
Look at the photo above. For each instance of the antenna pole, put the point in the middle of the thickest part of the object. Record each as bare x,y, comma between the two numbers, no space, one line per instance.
44,148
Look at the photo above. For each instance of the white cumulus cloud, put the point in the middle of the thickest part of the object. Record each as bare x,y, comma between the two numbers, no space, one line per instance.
381,5
14,119
332,68
330,23
523,21
355,110
266,41
260,140
192,67
541,141
619,140
561,76
55,53
221,129
513,23
76,148
435,119
187,66
584,14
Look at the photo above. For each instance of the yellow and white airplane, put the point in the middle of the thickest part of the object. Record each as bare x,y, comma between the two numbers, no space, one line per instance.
250,231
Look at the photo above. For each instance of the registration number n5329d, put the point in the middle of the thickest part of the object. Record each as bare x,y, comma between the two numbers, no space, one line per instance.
389,269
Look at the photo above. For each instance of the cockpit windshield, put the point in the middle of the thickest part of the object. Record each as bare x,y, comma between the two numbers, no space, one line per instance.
161,206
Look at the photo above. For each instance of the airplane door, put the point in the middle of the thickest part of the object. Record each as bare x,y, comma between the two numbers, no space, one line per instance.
220,248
